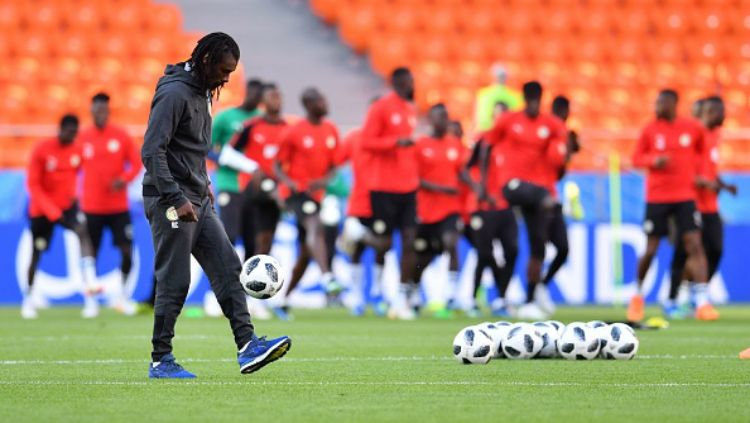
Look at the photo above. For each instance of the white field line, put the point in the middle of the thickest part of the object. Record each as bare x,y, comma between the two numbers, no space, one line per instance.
324,359
384,383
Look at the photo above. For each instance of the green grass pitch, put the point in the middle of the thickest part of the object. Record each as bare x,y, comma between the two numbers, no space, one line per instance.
61,368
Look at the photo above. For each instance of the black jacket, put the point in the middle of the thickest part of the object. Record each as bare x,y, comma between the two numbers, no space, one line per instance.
177,139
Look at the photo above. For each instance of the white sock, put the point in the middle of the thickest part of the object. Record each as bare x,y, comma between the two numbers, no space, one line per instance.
640,290
90,302
358,283
377,280
327,277
402,299
701,294
498,303
88,270
415,296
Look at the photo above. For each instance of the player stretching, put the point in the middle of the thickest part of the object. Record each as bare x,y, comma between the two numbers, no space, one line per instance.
260,140
110,162
530,141
708,185
230,198
179,207
440,161
671,150
386,136
51,180
304,166
556,228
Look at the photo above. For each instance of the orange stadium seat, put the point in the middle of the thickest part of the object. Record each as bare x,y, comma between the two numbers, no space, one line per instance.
51,64
358,29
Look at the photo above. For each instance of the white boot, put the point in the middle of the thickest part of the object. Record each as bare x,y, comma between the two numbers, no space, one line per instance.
543,299
28,310
90,307
531,311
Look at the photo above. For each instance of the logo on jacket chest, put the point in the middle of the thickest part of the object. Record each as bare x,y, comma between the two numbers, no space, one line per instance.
308,142
685,140
542,132
113,145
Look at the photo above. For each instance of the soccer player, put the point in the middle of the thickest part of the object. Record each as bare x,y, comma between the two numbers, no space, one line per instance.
304,165
530,140
440,161
179,206
230,197
260,140
553,172
357,233
110,162
52,181
387,136
708,185
671,149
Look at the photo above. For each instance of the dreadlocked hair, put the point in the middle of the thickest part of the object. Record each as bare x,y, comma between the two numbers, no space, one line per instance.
209,51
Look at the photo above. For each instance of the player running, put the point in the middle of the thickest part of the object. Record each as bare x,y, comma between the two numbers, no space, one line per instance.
304,165
179,206
357,232
556,228
530,141
671,149
440,161
52,182
709,185
387,136
110,162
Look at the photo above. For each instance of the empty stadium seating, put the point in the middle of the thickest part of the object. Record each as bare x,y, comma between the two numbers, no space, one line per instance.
55,54
610,56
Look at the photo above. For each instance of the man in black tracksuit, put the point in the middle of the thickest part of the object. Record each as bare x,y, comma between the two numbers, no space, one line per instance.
179,206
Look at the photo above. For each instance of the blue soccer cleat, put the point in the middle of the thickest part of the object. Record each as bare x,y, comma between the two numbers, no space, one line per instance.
259,352
501,311
167,368
674,312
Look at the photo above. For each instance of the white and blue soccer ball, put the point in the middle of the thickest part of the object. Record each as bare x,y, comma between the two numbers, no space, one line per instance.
549,336
261,277
559,326
522,342
473,345
497,331
578,342
619,342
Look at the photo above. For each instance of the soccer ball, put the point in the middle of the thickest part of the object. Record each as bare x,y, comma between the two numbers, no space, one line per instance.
502,327
619,342
559,326
261,277
522,342
578,342
596,324
549,336
473,345
497,331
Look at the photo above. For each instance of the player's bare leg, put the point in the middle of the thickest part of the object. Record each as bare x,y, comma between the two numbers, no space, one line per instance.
636,308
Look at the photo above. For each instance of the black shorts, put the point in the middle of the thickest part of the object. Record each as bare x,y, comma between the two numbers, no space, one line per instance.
303,206
392,211
119,224
429,238
230,212
524,194
366,222
42,228
491,225
685,214
264,209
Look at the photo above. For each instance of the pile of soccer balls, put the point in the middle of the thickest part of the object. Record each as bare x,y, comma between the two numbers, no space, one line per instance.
551,339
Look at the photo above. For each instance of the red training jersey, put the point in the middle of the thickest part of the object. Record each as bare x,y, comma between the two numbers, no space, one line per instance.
530,144
681,141
108,154
389,119
351,149
260,140
439,161
52,177
708,199
307,153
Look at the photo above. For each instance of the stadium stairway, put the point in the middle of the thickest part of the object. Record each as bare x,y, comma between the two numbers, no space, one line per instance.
296,50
